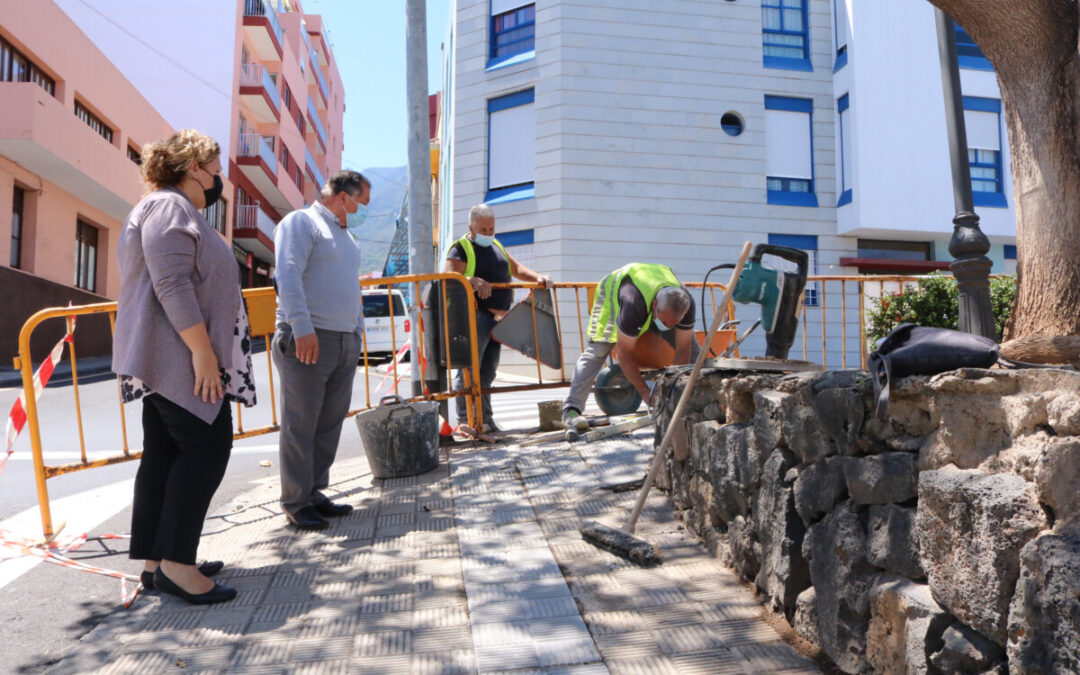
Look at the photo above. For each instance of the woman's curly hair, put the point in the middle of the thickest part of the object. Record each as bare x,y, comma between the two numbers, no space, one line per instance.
164,163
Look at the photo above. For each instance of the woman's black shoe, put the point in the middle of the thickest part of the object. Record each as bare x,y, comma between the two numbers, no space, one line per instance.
218,593
207,569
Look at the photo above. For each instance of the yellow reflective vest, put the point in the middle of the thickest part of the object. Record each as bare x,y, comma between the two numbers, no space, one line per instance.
649,278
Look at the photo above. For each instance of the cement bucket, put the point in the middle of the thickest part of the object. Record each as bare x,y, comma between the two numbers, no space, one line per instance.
400,439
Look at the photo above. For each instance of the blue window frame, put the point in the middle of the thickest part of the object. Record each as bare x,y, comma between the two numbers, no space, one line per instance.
844,133
1010,251
785,34
511,147
513,36
840,32
789,151
803,242
984,151
968,54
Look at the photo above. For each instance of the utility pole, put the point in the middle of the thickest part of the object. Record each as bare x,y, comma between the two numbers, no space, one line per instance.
421,256
968,244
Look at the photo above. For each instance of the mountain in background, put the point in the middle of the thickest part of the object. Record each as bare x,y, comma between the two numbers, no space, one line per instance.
388,188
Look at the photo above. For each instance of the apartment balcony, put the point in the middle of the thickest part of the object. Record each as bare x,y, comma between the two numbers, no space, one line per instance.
254,231
256,158
313,172
263,29
42,135
315,126
259,93
324,95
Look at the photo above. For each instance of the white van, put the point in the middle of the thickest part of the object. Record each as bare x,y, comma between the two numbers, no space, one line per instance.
380,341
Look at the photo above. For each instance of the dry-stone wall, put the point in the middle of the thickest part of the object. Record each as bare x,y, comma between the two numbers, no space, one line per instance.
946,540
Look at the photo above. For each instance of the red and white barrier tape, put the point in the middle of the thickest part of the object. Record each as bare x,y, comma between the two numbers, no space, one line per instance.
17,418
54,551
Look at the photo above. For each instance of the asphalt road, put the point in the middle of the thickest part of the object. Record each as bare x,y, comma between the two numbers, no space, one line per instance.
45,608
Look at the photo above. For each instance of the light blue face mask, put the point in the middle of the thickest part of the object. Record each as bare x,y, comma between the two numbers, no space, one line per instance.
660,325
483,239
354,221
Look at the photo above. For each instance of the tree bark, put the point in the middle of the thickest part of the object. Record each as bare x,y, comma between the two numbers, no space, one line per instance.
1032,45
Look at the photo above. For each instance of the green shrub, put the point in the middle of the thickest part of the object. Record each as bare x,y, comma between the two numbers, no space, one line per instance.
936,304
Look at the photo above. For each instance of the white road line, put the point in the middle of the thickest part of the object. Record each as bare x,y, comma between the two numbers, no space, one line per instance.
82,512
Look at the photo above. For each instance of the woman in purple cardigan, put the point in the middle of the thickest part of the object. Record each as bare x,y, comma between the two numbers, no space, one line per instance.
181,345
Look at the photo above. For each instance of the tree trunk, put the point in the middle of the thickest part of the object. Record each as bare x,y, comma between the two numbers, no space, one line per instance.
1032,45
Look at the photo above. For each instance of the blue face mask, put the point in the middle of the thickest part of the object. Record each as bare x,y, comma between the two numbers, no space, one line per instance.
483,239
354,221
660,325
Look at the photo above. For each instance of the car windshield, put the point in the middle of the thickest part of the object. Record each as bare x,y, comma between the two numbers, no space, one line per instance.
377,306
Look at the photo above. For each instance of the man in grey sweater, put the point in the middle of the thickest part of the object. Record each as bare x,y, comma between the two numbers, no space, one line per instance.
317,341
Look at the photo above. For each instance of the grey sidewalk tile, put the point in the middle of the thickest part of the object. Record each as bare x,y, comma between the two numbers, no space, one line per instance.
440,639
166,620
216,658
384,665
773,658
440,617
339,667
140,663
288,595
438,566
656,665
378,604
261,653
635,645
385,622
490,575
737,632
614,622
666,616
328,627
451,662
208,637
583,669
386,643
559,628
506,657
566,652
687,639
282,613
488,594
501,633
541,608
717,662
498,612
293,576
268,669
547,587
322,649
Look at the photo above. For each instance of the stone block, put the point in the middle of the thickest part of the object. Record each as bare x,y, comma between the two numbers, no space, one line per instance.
818,488
971,527
784,573
768,429
1044,619
745,548
906,625
891,541
964,651
835,548
888,478
841,412
735,470
805,621
803,428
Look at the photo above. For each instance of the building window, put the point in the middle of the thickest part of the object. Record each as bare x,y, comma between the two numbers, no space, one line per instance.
731,123
18,205
93,121
134,154
789,151
968,54
511,139
215,214
284,157
785,36
802,242
513,31
1010,259
843,111
887,249
840,32
519,243
86,245
982,119
15,67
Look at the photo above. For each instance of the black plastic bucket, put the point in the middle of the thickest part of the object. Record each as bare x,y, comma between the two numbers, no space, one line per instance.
400,439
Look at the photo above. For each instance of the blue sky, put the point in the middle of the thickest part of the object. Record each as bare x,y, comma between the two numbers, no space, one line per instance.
369,45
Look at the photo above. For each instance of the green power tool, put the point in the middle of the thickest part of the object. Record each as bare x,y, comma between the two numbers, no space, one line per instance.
778,292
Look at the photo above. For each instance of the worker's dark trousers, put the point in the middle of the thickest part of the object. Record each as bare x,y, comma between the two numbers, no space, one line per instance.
589,365
183,462
489,352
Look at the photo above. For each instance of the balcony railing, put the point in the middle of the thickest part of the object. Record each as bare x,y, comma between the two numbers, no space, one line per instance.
316,122
254,75
265,8
314,169
254,145
322,85
249,218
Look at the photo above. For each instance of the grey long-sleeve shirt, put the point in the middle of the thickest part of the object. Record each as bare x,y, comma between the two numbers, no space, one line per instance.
318,266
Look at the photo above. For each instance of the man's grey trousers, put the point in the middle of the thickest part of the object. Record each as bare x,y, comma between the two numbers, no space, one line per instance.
314,401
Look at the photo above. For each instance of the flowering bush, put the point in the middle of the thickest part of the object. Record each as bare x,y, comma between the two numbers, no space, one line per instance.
936,304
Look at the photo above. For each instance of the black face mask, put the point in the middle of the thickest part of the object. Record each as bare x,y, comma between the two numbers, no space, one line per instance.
214,193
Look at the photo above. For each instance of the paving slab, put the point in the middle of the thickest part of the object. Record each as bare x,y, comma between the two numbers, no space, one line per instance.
474,568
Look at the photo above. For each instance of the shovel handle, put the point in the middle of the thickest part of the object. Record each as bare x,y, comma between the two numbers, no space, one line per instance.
684,400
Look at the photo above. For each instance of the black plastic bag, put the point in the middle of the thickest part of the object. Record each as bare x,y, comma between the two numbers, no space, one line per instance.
918,350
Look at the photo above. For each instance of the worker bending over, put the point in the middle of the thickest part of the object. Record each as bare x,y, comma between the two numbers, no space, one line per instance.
631,301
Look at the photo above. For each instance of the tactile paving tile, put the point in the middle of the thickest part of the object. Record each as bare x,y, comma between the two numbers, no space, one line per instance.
140,663
635,645
559,628
204,659
737,632
687,639
339,667
397,602
777,657
717,662
501,633
456,662
262,653
614,622
323,649
437,639
656,665
327,628
387,643
281,612
566,652
440,617
542,608
506,657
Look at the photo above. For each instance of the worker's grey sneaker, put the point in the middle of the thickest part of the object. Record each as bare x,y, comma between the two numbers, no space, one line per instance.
572,419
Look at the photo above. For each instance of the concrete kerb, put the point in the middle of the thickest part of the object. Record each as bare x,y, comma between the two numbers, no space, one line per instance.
473,568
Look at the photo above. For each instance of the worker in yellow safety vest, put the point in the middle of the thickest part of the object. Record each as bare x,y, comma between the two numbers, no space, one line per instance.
483,260
635,299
